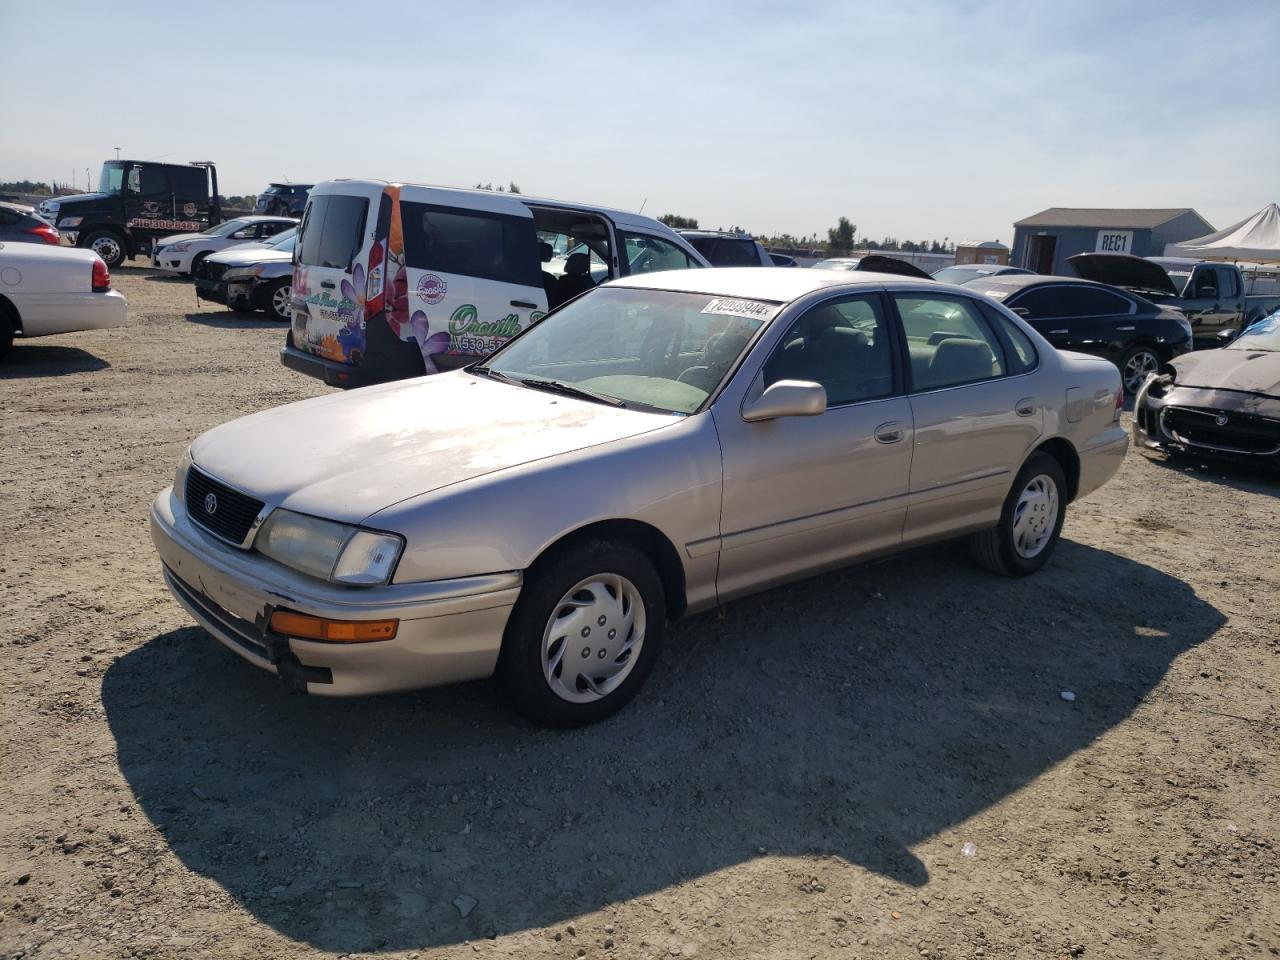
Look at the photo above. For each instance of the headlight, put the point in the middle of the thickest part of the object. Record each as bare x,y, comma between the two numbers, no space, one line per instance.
70,221
180,476
331,551
239,275
178,247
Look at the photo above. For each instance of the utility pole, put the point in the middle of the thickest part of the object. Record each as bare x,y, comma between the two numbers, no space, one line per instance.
117,149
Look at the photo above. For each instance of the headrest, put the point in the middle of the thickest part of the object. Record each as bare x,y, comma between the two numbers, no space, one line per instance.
577,263
545,251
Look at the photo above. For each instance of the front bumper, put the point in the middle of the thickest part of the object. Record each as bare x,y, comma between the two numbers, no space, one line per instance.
1249,431
172,262
450,630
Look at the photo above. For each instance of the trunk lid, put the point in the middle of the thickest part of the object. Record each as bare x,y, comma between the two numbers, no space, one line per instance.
1123,270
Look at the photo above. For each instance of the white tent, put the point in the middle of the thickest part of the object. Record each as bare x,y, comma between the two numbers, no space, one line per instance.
1256,238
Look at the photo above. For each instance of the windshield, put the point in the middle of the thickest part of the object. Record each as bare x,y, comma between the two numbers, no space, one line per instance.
1263,335
1179,278
960,274
112,178
837,264
283,241
648,349
225,229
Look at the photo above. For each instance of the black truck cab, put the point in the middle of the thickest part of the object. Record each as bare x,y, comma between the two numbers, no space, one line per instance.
137,202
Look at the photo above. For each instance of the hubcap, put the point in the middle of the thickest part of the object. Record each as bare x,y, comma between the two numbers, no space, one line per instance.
1140,366
280,302
593,638
107,249
1035,516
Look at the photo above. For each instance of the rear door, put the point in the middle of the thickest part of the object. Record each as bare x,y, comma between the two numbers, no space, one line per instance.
331,259
473,274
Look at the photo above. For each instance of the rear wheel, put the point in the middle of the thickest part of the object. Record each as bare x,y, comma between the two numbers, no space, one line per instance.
276,300
108,246
1030,522
1136,365
584,634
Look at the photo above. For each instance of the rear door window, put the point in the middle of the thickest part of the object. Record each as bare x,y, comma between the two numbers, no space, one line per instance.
1093,302
1228,283
333,232
471,243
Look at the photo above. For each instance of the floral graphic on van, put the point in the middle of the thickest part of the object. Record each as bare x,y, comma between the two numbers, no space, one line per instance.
353,292
429,343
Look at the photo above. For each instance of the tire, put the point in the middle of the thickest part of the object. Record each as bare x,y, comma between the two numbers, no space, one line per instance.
1030,522
6,330
535,667
196,261
108,245
1136,365
275,301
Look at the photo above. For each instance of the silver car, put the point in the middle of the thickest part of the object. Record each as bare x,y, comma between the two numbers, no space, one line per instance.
657,446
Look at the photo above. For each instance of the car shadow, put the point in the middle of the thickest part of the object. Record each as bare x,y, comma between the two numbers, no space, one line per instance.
44,360
854,715
1248,477
238,319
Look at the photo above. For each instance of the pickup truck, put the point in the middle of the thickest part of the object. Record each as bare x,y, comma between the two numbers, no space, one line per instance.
1214,296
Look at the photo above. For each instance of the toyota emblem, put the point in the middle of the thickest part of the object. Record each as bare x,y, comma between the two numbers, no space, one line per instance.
210,504
1220,419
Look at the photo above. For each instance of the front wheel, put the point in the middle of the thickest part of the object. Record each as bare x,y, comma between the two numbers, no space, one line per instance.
106,245
1136,365
1030,522
276,300
584,634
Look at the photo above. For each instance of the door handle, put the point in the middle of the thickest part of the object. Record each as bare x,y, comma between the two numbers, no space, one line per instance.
524,303
1025,407
327,284
1125,328
890,432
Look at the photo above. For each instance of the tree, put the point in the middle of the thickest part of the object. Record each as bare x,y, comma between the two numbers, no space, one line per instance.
842,235
677,222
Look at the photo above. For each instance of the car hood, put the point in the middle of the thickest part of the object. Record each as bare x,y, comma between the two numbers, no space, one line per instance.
1252,371
346,456
247,254
1123,270
78,198
180,238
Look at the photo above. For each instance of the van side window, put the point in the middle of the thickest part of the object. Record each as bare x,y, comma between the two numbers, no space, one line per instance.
334,231
649,254
471,243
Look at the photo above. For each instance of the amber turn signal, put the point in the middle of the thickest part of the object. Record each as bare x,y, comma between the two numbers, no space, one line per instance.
333,631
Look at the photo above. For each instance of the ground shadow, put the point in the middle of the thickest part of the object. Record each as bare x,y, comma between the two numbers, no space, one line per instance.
852,715
1234,473
238,319
45,360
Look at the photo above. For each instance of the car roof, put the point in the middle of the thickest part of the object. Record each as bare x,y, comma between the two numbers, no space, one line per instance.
715,233
18,207
769,283
260,217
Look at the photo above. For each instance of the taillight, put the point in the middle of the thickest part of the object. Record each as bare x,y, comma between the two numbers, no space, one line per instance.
101,276
46,233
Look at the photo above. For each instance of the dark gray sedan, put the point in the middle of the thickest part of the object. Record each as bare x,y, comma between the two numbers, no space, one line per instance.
21,224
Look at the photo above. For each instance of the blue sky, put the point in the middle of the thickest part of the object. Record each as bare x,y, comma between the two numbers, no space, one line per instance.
914,119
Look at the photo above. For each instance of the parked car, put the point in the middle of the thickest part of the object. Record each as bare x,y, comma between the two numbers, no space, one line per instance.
1135,334
20,223
1212,295
46,290
251,276
397,280
661,444
283,199
138,203
1217,403
964,272
838,263
782,260
180,253
728,249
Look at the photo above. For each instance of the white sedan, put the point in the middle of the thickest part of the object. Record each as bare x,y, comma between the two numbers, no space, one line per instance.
46,290
183,251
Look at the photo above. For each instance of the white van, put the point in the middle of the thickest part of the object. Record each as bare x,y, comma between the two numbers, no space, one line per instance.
396,280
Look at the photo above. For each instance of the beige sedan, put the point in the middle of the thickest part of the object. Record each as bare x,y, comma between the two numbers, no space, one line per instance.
660,445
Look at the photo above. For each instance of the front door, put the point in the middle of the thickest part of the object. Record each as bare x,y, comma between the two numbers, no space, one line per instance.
802,494
976,417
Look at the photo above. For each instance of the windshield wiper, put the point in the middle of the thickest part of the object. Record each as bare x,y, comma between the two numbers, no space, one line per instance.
494,374
569,390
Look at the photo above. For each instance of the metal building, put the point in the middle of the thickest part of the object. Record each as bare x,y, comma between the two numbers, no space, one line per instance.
1043,242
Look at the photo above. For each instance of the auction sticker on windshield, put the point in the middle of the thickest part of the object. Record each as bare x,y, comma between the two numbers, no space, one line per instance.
752,309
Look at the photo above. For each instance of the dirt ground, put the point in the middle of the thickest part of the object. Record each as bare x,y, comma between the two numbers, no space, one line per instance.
875,763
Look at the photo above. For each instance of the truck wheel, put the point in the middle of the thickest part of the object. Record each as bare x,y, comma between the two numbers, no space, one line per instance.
275,301
108,246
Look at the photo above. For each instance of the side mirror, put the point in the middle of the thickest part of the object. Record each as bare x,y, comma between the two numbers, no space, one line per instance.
1226,336
787,398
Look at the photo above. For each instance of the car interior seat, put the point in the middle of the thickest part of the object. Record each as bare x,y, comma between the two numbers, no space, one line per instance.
545,253
959,360
576,279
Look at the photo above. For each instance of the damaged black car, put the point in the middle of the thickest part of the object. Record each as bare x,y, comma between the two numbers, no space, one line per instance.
1221,403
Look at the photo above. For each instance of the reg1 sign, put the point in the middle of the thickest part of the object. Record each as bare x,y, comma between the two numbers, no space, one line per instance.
1114,241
